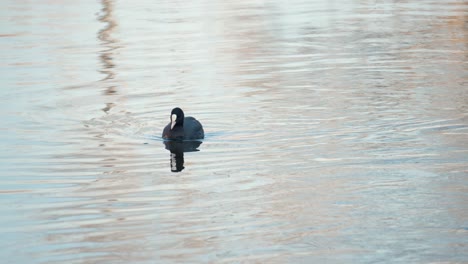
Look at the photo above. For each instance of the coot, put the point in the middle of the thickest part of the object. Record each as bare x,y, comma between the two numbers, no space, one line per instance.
183,128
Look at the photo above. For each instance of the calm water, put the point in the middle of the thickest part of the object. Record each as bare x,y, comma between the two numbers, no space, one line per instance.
337,131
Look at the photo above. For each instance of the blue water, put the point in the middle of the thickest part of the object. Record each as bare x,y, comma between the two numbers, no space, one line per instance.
335,132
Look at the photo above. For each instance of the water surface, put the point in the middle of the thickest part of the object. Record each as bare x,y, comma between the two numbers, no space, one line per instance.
336,131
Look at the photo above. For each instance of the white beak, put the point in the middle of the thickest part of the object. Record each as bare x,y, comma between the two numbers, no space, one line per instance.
173,121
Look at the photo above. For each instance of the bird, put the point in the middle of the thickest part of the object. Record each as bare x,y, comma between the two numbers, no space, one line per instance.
182,128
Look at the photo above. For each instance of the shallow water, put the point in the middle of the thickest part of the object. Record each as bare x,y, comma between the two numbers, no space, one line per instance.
335,132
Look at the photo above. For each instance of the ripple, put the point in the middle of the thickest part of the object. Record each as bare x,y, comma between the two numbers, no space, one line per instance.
333,132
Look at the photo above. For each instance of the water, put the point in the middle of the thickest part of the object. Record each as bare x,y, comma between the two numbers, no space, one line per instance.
336,131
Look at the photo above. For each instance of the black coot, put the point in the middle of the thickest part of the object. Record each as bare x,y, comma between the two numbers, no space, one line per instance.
183,128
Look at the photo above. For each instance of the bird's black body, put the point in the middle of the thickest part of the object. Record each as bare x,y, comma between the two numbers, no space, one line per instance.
183,128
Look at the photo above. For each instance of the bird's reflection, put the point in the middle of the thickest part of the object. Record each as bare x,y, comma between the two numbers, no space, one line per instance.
177,149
